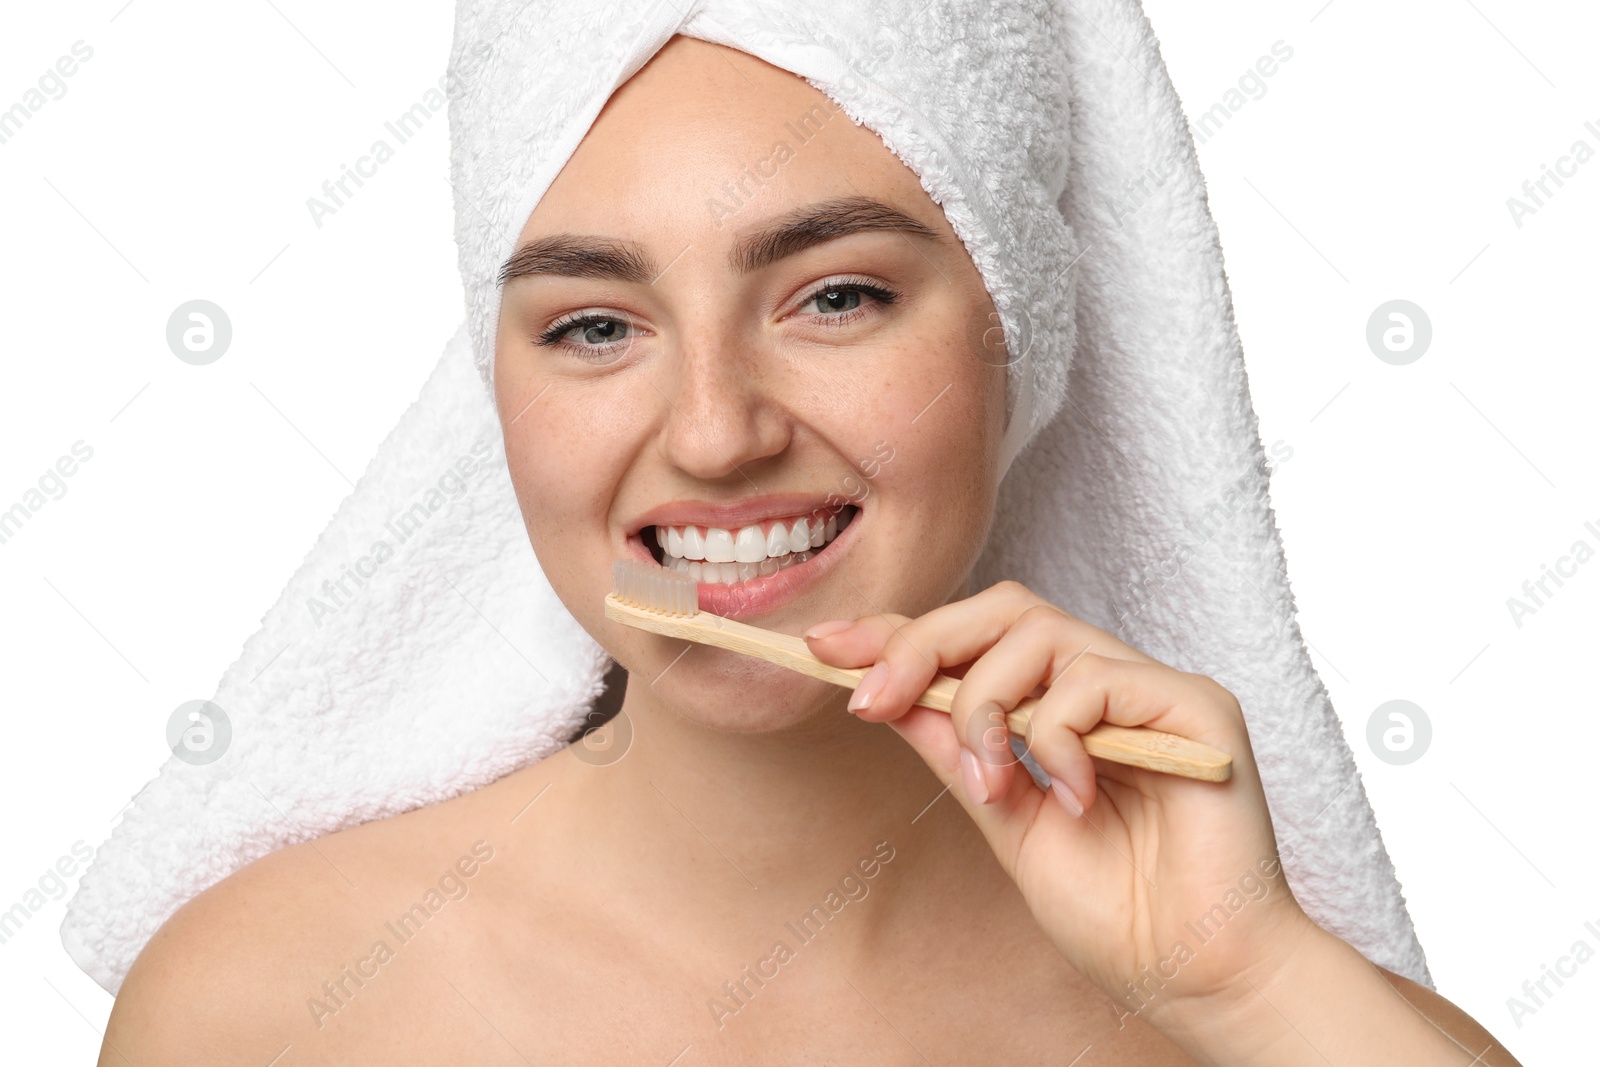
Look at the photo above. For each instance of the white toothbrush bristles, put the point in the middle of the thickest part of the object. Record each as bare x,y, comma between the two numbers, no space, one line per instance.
655,589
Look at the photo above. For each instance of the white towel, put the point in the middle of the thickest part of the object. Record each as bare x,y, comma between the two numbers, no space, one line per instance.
386,678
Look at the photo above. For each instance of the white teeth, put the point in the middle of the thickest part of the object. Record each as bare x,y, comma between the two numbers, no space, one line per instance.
777,541
799,536
719,545
733,573
727,557
694,545
750,546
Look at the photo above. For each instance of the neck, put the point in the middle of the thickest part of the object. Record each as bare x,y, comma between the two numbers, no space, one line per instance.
751,830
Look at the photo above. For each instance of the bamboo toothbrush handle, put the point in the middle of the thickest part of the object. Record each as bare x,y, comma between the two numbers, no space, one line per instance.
1137,746
1133,746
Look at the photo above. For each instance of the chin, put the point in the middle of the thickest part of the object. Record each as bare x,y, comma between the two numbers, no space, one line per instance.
740,694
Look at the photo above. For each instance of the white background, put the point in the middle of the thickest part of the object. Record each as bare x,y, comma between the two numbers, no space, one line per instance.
1418,498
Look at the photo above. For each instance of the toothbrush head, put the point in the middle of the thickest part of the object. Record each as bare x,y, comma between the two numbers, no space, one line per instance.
654,589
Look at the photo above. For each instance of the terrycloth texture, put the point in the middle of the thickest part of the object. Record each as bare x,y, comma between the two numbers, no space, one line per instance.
1137,500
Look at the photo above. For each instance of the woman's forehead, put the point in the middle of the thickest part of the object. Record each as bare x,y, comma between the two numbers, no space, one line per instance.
705,139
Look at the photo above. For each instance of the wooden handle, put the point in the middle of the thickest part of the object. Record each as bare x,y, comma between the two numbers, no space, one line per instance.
1136,746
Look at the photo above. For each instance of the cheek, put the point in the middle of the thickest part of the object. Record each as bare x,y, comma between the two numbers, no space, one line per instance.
560,452
940,410
923,435
941,472
564,472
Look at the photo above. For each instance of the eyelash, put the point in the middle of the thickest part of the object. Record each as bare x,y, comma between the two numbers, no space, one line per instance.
881,294
552,337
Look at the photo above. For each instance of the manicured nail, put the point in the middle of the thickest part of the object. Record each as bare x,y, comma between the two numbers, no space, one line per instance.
868,687
1069,800
828,629
972,778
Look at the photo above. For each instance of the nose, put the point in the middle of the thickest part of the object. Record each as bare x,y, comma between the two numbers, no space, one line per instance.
721,408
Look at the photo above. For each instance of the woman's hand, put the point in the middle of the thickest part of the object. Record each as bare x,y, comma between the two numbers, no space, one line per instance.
1161,890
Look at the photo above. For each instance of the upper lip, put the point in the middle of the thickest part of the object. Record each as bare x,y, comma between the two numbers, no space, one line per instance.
732,515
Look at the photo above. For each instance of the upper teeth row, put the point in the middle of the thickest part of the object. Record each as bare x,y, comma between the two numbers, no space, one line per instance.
748,544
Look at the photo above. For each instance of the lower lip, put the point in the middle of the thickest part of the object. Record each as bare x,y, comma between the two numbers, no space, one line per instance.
758,596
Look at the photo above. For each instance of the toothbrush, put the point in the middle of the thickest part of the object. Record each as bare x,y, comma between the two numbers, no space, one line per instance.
665,602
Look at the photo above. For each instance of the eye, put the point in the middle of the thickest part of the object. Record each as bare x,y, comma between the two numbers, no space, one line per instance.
600,336
838,300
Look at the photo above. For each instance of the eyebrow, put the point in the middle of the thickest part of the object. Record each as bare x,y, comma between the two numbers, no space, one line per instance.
584,256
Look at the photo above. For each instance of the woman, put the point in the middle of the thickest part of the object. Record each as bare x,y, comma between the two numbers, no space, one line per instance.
761,876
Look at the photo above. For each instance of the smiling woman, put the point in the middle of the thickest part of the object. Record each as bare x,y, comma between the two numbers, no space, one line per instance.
694,393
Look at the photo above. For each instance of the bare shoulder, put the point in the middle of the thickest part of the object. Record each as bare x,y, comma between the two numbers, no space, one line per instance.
211,983
1457,1024
278,954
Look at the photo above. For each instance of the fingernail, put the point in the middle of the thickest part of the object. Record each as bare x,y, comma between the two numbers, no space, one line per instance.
868,687
828,629
987,730
1069,800
972,778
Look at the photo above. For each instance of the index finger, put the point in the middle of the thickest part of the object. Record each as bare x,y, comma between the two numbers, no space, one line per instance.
911,651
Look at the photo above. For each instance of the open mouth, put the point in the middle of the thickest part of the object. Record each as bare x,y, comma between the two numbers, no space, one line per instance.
716,556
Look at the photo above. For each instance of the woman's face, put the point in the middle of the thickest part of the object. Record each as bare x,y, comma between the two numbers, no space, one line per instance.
719,320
